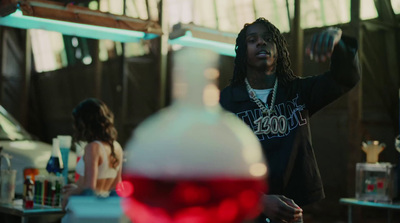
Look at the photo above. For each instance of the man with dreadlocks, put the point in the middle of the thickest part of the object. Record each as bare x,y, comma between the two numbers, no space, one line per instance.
277,106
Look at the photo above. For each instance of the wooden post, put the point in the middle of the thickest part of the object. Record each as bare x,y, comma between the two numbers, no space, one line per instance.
163,65
297,40
354,110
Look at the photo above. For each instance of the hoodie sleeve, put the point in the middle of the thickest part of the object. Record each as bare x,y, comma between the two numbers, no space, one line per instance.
344,73
345,68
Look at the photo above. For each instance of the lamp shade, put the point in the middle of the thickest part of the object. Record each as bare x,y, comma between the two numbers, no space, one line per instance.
77,21
205,38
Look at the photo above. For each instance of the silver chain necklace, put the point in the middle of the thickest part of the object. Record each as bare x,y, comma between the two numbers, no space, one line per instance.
268,123
265,109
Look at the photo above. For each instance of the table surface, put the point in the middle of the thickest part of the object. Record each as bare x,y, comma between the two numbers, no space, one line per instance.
386,205
16,209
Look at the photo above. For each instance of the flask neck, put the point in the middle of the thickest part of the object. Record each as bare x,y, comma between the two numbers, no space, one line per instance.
197,89
194,77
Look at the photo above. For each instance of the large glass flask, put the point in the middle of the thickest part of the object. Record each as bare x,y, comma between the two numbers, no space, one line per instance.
193,161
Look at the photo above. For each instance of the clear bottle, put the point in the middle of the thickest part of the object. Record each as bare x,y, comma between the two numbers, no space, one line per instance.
55,165
193,161
28,192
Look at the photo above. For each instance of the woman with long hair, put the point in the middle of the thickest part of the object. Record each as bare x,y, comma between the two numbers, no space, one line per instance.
101,165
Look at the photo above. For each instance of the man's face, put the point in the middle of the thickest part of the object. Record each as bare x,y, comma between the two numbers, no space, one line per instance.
261,48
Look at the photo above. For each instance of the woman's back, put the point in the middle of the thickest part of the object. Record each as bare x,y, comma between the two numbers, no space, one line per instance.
100,170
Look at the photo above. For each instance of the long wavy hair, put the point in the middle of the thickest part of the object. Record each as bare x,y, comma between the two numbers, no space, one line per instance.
283,70
93,120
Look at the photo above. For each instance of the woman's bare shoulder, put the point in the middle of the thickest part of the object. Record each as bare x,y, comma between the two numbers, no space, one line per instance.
92,147
92,153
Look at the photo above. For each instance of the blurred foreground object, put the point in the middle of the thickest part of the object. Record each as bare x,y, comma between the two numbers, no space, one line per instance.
192,161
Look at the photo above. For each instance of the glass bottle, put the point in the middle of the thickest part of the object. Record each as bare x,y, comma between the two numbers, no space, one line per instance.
193,161
55,164
27,195
38,198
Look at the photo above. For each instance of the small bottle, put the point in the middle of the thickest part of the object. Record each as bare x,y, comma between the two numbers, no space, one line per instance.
28,192
46,189
54,165
58,186
38,198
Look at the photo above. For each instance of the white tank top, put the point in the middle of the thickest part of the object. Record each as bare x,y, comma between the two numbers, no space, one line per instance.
104,170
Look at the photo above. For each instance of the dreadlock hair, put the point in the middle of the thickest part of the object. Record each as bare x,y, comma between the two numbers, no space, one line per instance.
93,120
283,71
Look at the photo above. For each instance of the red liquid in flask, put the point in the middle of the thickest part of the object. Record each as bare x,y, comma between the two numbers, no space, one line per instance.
193,200
204,165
